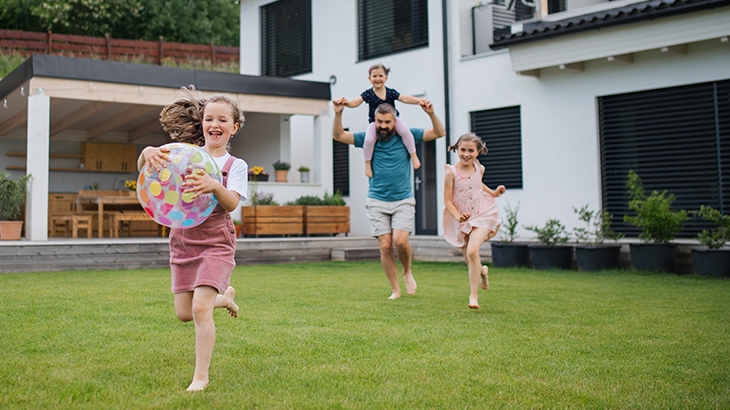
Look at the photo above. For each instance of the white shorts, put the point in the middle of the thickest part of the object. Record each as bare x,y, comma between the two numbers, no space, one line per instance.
387,216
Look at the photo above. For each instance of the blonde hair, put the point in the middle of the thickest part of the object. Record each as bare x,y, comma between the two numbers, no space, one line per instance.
469,137
183,119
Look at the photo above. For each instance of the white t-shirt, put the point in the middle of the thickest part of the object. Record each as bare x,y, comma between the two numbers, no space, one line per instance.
238,177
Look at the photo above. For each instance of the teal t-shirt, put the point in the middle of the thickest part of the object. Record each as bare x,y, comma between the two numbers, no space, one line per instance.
391,164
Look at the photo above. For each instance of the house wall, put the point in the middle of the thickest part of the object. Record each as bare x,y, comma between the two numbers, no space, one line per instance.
560,140
334,49
560,143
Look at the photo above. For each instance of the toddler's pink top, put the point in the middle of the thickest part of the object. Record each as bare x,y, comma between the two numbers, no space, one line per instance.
204,255
469,197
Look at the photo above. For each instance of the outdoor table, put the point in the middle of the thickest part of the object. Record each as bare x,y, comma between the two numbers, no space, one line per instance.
102,200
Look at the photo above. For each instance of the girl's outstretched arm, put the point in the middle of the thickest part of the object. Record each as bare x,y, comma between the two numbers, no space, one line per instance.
494,192
354,103
409,99
449,198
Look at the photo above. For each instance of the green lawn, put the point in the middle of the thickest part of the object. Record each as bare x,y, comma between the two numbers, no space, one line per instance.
323,335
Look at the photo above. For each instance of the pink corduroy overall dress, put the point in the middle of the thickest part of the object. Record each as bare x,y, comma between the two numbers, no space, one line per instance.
204,255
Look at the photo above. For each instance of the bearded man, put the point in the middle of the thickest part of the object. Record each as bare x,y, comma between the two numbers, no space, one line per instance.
390,204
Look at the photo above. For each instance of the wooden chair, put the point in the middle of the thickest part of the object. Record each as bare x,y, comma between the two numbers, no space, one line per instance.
76,221
124,219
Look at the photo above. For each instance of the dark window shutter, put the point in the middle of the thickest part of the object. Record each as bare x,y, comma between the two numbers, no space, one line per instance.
286,38
341,167
501,129
556,6
677,139
390,26
523,12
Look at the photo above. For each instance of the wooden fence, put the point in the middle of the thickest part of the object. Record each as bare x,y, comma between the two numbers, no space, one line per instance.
26,43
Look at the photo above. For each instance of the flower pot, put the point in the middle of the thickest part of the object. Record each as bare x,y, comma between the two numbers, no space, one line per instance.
304,177
281,175
551,257
600,257
508,254
711,262
661,257
259,177
10,230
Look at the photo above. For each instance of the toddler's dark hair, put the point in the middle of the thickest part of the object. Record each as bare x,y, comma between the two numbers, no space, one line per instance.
378,66
470,136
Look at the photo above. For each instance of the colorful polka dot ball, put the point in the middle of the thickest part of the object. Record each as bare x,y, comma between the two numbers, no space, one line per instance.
161,192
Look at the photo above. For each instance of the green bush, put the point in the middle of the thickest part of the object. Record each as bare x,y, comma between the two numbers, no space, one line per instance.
597,229
332,200
12,196
553,233
654,215
716,238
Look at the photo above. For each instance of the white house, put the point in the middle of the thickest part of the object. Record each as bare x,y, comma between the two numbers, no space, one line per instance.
568,94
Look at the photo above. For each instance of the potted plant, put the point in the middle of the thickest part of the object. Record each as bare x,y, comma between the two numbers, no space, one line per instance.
712,260
592,253
506,252
329,215
653,214
257,173
551,253
281,171
266,217
239,227
304,174
131,185
12,201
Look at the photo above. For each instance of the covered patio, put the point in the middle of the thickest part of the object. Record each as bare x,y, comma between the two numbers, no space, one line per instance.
55,109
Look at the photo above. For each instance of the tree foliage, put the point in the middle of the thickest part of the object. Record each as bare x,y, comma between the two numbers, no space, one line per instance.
185,21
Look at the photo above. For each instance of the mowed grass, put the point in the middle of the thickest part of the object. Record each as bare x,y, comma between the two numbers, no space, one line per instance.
323,335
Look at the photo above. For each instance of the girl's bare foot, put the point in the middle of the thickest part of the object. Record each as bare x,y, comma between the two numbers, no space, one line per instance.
394,296
232,307
197,385
473,304
411,285
485,278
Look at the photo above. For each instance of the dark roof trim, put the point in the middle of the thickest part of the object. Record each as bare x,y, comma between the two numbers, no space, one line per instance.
633,13
42,65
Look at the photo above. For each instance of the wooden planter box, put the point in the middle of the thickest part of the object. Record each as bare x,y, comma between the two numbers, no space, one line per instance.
273,220
326,220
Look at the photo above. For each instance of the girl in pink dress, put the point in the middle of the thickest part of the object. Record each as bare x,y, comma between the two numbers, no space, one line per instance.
470,216
202,257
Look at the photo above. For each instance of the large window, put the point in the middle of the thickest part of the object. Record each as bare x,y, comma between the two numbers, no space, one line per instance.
677,139
501,129
341,167
286,38
391,26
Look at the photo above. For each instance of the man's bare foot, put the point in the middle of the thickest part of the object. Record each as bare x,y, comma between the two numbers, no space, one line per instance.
410,283
232,307
197,385
394,296
485,278
473,304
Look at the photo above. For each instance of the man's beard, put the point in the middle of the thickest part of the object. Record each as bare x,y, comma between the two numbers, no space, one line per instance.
385,134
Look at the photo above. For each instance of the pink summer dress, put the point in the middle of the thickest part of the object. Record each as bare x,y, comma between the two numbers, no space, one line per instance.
469,197
204,255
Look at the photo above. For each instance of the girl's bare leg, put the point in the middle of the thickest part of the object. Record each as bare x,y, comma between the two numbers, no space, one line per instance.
204,299
474,242
184,306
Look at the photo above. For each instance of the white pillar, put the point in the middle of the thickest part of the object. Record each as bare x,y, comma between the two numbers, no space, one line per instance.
322,169
39,118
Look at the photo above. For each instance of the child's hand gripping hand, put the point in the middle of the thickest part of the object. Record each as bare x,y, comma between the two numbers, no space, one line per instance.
464,217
